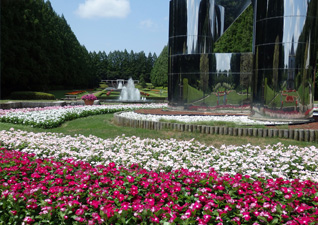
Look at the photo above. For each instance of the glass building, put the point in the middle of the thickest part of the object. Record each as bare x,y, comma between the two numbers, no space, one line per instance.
276,79
286,41
198,77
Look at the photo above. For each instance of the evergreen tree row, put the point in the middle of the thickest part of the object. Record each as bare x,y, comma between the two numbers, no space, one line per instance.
39,51
122,65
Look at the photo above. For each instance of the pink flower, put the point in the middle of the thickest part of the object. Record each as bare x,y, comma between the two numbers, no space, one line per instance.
164,195
89,97
91,222
150,201
96,216
177,189
28,220
288,196
246,216
79,212
49,201
206,218
154,219
14,212
130,179
112,165
79,219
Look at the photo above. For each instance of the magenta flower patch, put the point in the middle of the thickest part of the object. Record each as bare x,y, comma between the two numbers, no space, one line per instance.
34,190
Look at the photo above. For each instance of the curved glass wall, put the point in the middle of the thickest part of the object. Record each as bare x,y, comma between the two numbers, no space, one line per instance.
211,81
285,51
197,77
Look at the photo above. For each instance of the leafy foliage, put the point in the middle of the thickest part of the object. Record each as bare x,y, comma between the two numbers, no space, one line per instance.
47,190
31,95
122,65
39,51
159,74
239,36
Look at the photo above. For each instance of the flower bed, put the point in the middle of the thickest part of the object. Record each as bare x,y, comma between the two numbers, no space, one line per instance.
50,117
75,92
36,190
192,119
90,97
287,162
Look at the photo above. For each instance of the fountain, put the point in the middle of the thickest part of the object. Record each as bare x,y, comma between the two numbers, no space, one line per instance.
120,85
129,92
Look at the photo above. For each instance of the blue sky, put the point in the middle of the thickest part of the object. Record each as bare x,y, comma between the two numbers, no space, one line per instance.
109,25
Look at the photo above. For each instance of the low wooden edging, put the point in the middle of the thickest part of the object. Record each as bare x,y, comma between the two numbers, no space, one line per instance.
295,134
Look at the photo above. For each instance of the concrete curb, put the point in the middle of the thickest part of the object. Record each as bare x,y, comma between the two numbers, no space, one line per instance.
305,135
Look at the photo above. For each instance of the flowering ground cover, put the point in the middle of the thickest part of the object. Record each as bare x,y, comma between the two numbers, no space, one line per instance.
49,117
75,92
60,179
287,162
34,190
240,120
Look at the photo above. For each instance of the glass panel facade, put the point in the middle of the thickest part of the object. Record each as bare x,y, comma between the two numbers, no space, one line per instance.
211,81
197,77
275,81
196,24
285,58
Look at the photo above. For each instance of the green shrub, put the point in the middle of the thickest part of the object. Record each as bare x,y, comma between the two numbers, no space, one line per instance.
103,85
30,95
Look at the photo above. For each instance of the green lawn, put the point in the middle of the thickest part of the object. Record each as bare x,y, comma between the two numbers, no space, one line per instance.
102,126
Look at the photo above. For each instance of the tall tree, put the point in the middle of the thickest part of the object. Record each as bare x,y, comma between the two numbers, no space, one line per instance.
159,73
39,51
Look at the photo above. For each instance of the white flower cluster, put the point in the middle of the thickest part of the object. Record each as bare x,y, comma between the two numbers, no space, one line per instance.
240,120
55,116
290,162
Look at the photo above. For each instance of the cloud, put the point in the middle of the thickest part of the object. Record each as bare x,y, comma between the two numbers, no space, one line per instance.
147,24
104,9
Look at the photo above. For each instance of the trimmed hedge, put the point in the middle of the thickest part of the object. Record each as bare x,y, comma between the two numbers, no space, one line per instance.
30,95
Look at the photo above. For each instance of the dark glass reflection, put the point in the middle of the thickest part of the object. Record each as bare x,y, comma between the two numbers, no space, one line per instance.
196,24
211,81
285,58
197,77
285,46
232,9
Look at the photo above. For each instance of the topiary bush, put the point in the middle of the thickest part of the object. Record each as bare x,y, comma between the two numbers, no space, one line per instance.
30,95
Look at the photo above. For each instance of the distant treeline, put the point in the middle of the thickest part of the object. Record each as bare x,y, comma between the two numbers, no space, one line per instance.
123,65
40,52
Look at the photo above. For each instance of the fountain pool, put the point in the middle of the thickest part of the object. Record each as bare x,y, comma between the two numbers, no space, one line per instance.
130,92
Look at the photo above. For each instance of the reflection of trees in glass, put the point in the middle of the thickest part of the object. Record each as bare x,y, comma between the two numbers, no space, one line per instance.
185,90
234,76
223,82
239,37
305,99
316,82
204,73
233,9
246,67
276,64
255,77
205,41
